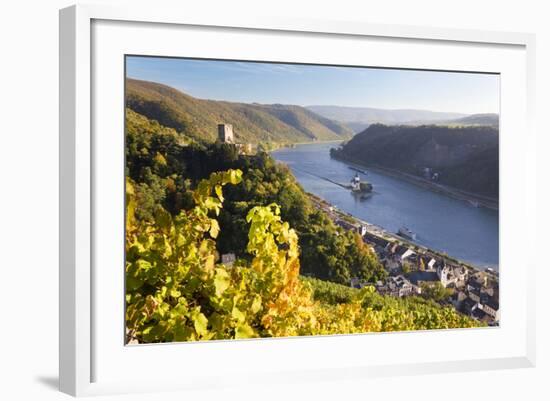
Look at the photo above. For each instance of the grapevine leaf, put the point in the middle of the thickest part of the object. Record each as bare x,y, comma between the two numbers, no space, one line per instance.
214,228
221,281
244,331
163,219
256,304
235,176
200,323
238,315
218,189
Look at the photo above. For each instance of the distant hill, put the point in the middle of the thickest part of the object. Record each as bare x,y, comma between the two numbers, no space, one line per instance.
479,119
465,157
358,118
252,123
357,126
488,119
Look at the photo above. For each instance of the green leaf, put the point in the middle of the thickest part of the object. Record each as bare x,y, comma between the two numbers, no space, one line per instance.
244,331
214,228
163,219
256,304
209,262
200,322
221,281
238,315
235,176
133,284
218,189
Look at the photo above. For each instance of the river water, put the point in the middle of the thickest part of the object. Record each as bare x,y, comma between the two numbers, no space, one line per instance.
440,222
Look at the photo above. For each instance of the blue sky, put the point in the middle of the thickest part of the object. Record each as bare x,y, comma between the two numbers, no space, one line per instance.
306,85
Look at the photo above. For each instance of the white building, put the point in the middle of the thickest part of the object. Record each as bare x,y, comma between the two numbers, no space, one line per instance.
445,274
407,253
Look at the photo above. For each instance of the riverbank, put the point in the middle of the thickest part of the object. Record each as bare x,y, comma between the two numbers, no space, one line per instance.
289,145
473,199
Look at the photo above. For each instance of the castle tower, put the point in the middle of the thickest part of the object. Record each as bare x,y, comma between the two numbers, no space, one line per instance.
225,133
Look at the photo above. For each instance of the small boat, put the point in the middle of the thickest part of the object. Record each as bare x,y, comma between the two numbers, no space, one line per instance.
406,233
358,170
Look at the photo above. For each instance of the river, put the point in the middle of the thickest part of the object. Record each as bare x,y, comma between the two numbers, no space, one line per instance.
441,223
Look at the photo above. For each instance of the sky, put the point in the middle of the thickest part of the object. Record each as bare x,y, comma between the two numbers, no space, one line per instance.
307,85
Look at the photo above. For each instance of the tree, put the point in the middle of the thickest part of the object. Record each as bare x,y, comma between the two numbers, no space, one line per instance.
435,291
406,267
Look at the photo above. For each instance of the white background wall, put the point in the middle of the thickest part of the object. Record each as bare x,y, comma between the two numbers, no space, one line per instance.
28,195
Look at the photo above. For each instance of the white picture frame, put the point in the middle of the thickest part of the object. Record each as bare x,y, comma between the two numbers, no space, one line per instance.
79,315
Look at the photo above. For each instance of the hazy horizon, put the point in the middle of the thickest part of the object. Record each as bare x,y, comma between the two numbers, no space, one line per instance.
319,85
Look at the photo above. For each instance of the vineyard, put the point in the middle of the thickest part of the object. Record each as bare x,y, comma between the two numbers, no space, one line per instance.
177,290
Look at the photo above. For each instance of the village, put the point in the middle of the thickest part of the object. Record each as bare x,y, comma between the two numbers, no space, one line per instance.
414,270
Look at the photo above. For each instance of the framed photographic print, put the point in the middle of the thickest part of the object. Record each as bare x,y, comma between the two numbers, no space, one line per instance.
296,200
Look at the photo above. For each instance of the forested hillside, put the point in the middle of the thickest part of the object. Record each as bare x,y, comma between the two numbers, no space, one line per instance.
252,123
463,157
